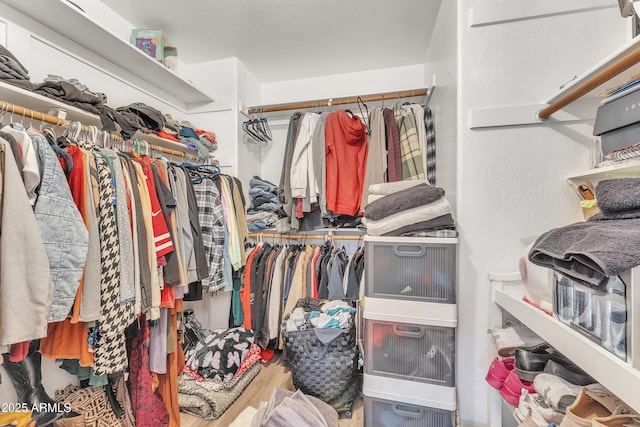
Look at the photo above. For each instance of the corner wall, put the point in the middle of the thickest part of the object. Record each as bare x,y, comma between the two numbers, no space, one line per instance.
511,180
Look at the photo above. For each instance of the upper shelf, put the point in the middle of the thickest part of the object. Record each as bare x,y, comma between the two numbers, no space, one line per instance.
43,104
618,68
74,24
622,169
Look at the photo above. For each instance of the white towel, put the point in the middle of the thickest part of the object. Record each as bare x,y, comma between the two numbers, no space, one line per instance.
408,217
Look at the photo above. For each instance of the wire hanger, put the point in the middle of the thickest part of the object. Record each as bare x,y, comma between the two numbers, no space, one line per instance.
365,119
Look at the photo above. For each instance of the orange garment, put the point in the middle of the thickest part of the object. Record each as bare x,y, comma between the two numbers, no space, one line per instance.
66,340
346,153
168,383
78,186
245,292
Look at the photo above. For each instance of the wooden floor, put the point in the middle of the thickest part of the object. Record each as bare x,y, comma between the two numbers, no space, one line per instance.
273,375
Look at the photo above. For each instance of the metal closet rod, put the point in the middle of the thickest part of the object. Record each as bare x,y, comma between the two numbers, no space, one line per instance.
27,113
328,235
339,101
603,76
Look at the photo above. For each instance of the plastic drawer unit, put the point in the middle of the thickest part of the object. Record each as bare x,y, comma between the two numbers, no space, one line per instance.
384,413
411,350
411,268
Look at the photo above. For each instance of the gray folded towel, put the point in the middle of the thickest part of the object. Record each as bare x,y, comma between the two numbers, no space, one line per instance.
419,195
616,195
438,223
590,252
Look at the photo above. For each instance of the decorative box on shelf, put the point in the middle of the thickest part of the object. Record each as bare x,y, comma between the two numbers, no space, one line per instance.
151,42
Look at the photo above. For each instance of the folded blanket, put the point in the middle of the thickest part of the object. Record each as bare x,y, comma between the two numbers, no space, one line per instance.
373,197
408,217
616,195
387,188
589,252
209,399
419,195
444,222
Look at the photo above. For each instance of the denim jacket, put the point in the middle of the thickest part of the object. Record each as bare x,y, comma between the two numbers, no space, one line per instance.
63,231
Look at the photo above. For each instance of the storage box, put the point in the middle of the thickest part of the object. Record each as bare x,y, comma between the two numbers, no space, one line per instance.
600,315
618,122
384,413
409,351
409,392
411,268
151,42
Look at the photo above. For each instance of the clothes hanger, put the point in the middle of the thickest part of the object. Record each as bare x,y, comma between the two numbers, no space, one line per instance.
365,118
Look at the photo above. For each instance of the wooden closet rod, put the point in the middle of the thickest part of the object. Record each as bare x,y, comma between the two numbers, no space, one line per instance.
337,101
259,235
27,113
574,93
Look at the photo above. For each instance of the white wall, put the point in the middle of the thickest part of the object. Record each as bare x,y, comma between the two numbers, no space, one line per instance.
441,68
349,84
511,181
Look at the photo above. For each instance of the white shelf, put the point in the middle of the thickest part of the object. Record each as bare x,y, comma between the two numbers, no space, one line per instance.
626,168
42,104
24,98
619,377
631,46
74,24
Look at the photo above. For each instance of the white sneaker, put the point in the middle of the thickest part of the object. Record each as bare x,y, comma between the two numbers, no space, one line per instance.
558,393
508,339
534,405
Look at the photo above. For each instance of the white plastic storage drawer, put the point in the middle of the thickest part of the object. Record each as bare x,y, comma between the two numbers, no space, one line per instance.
409,351
413,268
384,413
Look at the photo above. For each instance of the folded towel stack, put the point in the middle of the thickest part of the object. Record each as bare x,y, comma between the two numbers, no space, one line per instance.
263,211
606,245
406,208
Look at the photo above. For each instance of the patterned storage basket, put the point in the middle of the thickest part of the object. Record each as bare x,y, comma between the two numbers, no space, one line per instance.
325,369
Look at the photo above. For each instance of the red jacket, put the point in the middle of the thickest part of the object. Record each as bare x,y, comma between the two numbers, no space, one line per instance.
346,151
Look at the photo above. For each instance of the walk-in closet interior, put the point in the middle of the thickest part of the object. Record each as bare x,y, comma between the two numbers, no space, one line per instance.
319,213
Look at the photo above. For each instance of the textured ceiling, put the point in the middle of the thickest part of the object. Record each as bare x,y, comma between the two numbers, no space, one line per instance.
291,39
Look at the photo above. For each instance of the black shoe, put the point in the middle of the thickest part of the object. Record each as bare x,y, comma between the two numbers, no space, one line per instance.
577,377
530,361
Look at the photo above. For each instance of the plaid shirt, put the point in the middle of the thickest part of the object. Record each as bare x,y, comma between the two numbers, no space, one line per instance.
211,219
412,164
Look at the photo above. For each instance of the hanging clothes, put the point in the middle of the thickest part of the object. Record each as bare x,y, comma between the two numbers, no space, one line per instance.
412,164
346,152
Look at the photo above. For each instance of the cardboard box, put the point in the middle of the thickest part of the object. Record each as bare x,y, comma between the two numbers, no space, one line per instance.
151,42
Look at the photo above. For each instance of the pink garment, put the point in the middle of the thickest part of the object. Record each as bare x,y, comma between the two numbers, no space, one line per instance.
148,407
18,351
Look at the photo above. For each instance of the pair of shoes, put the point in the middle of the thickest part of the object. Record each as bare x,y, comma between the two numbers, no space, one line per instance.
508,339
530,361
498,372
558,393
533,406
503,377
595,403
513,387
